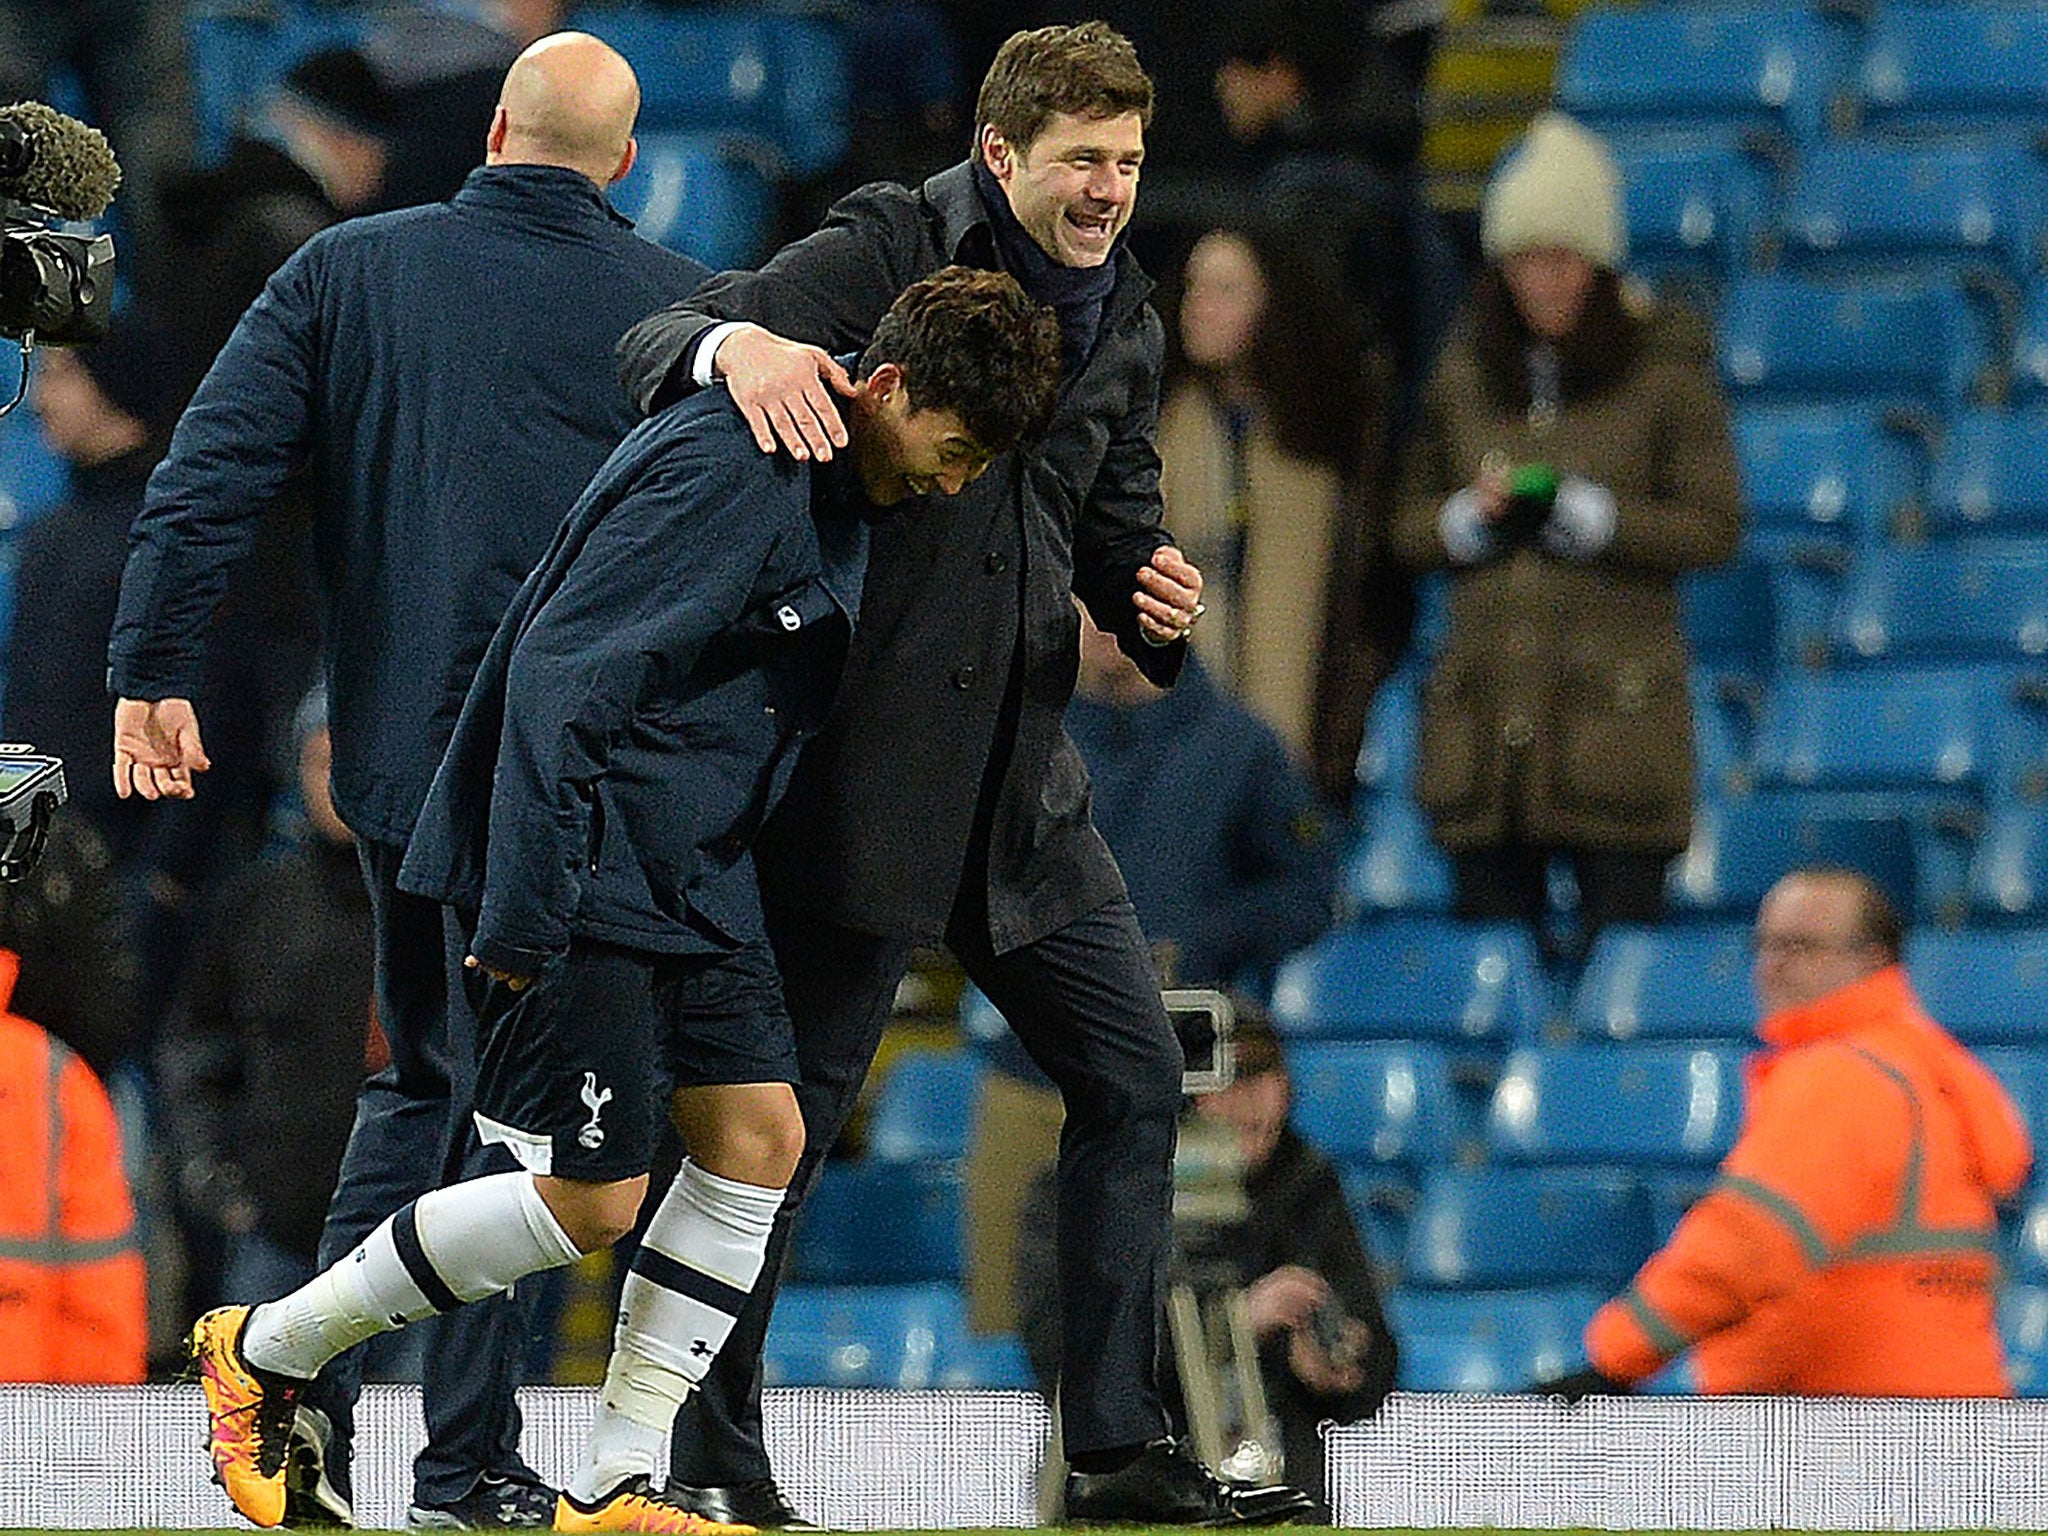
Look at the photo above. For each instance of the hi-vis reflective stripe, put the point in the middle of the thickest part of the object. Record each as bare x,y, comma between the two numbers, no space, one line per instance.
1803,1231
52,1249
57,1253
1664,1338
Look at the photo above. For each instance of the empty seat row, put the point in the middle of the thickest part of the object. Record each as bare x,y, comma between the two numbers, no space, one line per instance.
1416,978
1803,69
908,1337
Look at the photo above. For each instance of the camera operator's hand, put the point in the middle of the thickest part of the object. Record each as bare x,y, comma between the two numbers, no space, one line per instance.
1284,1298
781,388
157,749
1334,1371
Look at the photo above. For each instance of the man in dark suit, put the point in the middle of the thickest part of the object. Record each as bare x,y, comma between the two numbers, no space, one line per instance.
943,796
444,375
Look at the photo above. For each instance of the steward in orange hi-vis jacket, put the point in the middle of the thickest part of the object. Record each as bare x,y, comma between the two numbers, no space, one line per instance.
1848,1246
71,1281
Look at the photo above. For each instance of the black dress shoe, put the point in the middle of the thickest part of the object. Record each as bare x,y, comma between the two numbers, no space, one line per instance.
758,1503
1169,1485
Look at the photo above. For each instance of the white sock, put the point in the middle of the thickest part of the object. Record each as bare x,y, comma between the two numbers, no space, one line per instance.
702,1254
449,1246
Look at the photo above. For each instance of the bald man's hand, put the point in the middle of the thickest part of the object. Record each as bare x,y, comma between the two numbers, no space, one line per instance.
157,748
784,389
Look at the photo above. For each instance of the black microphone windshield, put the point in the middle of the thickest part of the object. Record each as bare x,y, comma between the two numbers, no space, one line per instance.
69,168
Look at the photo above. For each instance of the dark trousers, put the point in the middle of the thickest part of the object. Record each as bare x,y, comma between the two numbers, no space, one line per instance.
1512,881
413,1133
1085,1003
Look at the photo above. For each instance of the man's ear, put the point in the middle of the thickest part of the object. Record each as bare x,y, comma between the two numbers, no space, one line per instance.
494,139
883,383
997,154
626,162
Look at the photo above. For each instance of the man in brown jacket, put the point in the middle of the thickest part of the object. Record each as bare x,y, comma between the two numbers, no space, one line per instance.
1573,461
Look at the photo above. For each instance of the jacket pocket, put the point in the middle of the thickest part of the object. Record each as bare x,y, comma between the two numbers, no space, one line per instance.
1454,766
1625,739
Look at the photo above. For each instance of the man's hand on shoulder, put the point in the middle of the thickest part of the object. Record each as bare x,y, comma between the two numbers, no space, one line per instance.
157,748
784,389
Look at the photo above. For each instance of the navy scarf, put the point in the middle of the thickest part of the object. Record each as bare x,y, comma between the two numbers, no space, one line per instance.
1078,295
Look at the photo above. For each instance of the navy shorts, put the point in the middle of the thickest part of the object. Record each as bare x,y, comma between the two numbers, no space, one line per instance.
575,1071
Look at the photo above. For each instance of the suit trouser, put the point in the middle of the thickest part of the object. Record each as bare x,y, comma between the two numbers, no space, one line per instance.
1085,1003
412,1134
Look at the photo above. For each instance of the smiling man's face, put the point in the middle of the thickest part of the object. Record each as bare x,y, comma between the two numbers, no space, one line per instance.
1074,186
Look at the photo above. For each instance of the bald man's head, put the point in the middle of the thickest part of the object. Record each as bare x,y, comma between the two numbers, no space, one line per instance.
569,100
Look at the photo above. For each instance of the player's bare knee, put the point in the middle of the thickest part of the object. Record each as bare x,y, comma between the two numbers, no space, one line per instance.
759,1144
594,1216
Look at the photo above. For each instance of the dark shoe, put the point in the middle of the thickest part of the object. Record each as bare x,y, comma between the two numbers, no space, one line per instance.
759,1503
1168,1485
495,1503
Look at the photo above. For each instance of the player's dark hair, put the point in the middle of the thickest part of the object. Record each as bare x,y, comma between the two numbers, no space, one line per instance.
1089,70
976,344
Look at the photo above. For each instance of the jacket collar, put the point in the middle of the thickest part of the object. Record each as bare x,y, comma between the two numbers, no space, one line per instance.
1883,997
966,236
549,193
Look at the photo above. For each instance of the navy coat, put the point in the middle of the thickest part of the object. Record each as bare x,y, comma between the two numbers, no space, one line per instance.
638,712
445,375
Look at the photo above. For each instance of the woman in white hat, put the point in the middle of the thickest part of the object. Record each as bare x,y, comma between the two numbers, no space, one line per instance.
1573,461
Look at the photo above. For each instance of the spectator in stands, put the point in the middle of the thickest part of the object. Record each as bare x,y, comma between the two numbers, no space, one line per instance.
71,1277
1572,463
1325,1350
448,374
1334,130
1849,1245
1271,447
267,1038
319,156
1230,863
128,59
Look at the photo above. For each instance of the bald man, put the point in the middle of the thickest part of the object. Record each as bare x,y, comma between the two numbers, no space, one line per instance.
443,375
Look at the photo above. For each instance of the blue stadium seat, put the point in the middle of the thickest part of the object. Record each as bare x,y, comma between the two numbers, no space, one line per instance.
2030,1249
2016,722
1637,1104
1983,987
1903,730
1808,582
924,1107
702,194
1765,66
1741,846
899,1336
1952,67
239,53
1382,1205
32,478
1672,1194
1386,755
1792,338
1695,206
2024,1073
871,1223
1990,475
1395,865
1821,471
1876,206
1730,616
1973,600
774,78
1528,1226
992,1362
1667,983
1428,978
1490,1341
2009,872
1720,747
2023,1325
1372,1103
2030,348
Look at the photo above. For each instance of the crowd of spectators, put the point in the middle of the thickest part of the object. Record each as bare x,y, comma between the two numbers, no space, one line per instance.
1327,432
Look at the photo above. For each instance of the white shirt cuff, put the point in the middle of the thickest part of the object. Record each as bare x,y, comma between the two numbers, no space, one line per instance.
701,371
1581,523
1467,539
